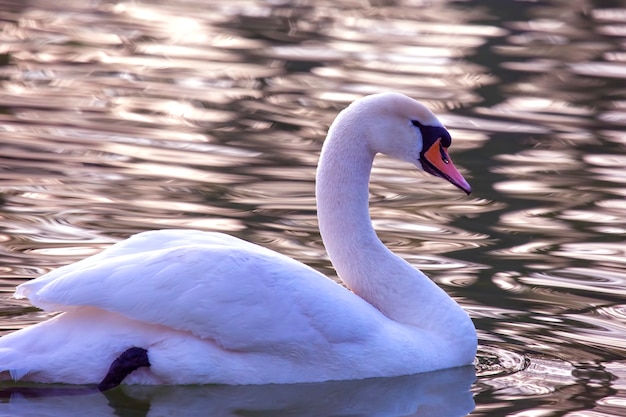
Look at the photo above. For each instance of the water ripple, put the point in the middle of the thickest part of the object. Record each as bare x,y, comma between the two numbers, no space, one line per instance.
510,375
123,117
588,280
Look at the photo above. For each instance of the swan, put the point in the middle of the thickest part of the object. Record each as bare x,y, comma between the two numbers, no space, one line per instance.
194,307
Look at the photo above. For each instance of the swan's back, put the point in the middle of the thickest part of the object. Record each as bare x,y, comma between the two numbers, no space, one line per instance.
214,286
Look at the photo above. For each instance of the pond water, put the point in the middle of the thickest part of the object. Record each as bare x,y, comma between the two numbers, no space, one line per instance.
119,117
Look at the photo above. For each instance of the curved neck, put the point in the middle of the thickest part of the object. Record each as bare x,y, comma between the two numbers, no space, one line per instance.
364,264
342,203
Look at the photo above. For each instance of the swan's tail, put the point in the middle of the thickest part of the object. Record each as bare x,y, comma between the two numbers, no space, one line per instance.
12,366
38,353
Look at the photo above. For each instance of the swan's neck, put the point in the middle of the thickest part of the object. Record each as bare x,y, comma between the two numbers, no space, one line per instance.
364,264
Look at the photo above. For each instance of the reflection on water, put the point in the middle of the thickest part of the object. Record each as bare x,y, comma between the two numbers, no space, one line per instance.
443,393
129,116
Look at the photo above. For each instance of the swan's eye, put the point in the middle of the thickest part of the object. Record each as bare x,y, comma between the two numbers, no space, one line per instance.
444,154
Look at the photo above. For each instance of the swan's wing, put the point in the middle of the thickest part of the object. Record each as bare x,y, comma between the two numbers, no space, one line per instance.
140,243
215,286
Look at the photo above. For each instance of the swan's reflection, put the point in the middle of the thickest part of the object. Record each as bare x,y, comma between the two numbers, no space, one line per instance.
443,394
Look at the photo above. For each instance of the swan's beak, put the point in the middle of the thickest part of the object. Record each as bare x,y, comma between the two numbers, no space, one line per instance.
435,161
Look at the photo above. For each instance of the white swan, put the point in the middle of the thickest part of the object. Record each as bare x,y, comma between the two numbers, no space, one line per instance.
189,307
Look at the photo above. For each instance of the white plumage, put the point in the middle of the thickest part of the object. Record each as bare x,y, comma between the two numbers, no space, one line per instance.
212,308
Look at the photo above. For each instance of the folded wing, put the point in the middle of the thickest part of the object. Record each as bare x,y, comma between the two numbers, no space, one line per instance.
240,295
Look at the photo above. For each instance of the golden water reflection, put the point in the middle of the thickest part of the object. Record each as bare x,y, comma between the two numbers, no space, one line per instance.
123,117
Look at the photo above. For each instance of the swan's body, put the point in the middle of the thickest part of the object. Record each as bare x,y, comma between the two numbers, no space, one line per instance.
211,308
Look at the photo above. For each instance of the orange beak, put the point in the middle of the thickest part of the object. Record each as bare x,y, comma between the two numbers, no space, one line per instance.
435,161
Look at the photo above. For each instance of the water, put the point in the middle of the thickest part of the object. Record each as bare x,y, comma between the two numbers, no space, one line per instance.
121,117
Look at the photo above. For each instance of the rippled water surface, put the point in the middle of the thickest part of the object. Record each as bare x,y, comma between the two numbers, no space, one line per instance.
119,117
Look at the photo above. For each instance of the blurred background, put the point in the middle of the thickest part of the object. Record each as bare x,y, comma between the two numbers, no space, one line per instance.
123,116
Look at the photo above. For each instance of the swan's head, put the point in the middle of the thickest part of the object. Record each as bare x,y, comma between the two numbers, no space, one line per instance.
404,128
